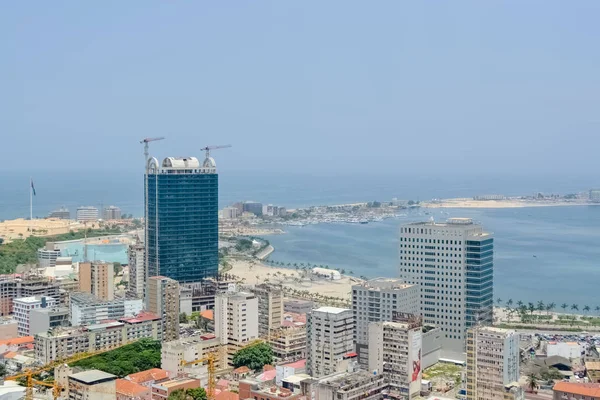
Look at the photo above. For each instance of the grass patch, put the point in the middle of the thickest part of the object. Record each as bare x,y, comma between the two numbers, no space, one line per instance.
443,370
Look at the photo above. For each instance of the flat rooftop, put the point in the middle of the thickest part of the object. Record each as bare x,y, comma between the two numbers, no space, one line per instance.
92,376
332,310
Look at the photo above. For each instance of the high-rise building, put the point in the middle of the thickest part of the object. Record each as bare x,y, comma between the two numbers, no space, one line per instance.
230,213
330,332
97,278
47,255
87,214
253,208
23,308
376,300
112,212
176,353
162,298
182,219
236,319
493,364
137,270
453,265
61,213
270,308
395,350
12,287
87,309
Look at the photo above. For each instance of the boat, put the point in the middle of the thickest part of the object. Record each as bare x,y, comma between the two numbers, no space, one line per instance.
363,221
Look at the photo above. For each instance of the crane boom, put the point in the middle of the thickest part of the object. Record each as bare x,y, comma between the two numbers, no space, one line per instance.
207,149
210,360
145,142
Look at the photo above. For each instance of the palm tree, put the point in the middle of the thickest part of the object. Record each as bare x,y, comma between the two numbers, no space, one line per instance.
532,382
574,307
509,303
597,309
519,303
499,301
586,308
531,307
550,307
541,306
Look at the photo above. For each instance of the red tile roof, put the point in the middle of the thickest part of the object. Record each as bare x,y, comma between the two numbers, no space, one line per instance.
141,317
227,395
154,374
130,388
17,341
241,370
297,364
208,314
582,389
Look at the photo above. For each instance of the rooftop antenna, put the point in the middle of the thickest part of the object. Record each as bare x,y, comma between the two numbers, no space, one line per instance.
207,149
145,143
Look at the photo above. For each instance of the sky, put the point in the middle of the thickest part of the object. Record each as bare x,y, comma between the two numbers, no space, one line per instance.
305,87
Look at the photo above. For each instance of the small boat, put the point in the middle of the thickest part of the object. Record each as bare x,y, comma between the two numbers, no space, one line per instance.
364,221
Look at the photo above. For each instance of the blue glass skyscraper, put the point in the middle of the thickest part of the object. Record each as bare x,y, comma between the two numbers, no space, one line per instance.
182,227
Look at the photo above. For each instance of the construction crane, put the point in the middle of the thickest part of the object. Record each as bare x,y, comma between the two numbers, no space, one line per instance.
207,149
145,143
210,360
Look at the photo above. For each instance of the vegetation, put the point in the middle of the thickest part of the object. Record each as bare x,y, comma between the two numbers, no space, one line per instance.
135,357
24,251
117,268
254,356
443,370
532,382
243,244
188,394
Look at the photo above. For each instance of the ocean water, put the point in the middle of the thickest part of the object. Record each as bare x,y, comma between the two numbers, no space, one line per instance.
564,240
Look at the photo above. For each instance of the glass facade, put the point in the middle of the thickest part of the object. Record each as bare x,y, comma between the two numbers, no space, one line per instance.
182,224
480,281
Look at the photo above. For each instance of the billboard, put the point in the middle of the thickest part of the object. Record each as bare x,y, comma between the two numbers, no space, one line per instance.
416,340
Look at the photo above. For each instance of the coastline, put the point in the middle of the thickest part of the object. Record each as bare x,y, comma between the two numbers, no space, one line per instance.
509,203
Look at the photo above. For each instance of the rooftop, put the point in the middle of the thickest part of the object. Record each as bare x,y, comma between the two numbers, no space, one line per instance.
17,341
331,310
154,374
106,325
227,395
208,314
297,364
177,382
384,283
130,388
582,389
33,299
92,376
297,378
592,365
141,317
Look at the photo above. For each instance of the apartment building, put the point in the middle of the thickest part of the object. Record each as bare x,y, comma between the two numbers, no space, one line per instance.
330,332
236,319
290,342
42,319
92,384
12,287
112,212
452,262
375,301
162,298
86,309
85,214
97,278
65,342
351,386
270,308
137,270
395,350
162,391
23,308
176,353
47,255
493,364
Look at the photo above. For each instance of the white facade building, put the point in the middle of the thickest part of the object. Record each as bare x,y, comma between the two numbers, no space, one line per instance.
447,261
493,364
86,309
87,214
236,319
175,353
22,308
47,255
137,270
395,350
375,301
330,333
230,213
112,212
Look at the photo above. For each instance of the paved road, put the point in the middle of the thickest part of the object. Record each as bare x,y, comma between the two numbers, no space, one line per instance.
538,396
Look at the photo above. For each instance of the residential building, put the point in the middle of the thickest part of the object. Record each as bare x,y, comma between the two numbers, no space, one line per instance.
47,255
182,218
452,263
92,384
149,377
592,369
270,308
42,319
289,343
595,195
61,343
298,306
493,364
576,391
230,213
257,390
86,309
23,308
350,386
162,298
85,214
176,353
253,208
137,270
112,212
395,350
375,301
127,390
286,370
236,319
330,332
161,391
61,213
98,279
8,328
12,287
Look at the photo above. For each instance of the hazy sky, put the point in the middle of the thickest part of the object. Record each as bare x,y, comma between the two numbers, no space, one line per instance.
439,87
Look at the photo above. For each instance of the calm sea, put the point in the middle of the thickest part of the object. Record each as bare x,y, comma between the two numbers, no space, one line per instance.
564,240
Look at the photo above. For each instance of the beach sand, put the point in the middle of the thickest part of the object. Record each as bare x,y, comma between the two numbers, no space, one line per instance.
509,203
248,271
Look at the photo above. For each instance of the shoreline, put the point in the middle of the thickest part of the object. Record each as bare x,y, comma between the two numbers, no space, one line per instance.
508,203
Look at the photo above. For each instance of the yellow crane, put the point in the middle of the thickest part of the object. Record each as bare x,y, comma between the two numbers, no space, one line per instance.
210,360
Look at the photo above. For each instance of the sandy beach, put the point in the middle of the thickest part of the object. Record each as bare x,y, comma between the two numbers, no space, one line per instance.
249,271
508,203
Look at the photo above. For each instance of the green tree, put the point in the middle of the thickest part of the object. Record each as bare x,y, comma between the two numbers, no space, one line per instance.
586,308
254,356
564,306
532,382
574,307
498,301
117,268
519,303
2,370
188,394
541,306
183,318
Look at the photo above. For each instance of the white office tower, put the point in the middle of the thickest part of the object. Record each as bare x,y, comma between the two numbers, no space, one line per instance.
329,340
137,270
395,351
453,265
493,364
236,319
375,301
87,214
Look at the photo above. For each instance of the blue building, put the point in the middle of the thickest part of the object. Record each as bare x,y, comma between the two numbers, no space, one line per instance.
181,199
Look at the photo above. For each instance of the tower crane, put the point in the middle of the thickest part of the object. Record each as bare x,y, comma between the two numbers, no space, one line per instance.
207,149
210,360
145,143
